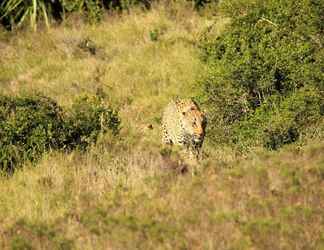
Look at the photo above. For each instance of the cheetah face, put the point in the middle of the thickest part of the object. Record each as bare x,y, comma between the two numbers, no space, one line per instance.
194,123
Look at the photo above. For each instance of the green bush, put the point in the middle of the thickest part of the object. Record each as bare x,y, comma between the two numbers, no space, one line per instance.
264,71
92,9
32,125
28,127
87,118
280,120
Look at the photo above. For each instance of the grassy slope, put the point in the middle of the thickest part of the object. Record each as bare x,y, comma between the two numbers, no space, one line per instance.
122,193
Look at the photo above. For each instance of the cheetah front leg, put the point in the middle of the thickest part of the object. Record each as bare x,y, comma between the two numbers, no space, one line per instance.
194,158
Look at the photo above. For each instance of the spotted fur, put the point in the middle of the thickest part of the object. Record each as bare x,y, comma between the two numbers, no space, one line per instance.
184,124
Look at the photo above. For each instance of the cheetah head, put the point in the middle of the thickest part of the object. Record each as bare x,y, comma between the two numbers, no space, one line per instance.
194,122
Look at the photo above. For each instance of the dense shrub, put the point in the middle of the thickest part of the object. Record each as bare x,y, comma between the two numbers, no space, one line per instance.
265,72
280,120
32,125
87,118
28,127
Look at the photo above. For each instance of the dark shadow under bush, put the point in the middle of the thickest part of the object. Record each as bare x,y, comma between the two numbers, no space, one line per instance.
32,125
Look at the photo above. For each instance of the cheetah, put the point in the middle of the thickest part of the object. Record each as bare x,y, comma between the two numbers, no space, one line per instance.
184,124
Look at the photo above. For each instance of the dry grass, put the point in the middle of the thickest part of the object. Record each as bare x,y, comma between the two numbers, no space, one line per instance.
141,200
126,192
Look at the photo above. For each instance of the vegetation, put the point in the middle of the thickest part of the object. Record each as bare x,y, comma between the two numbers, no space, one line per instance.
30,126
17,12
265,80
90,189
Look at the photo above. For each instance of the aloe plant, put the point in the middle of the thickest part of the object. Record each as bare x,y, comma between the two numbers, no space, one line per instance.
32,11
19,11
